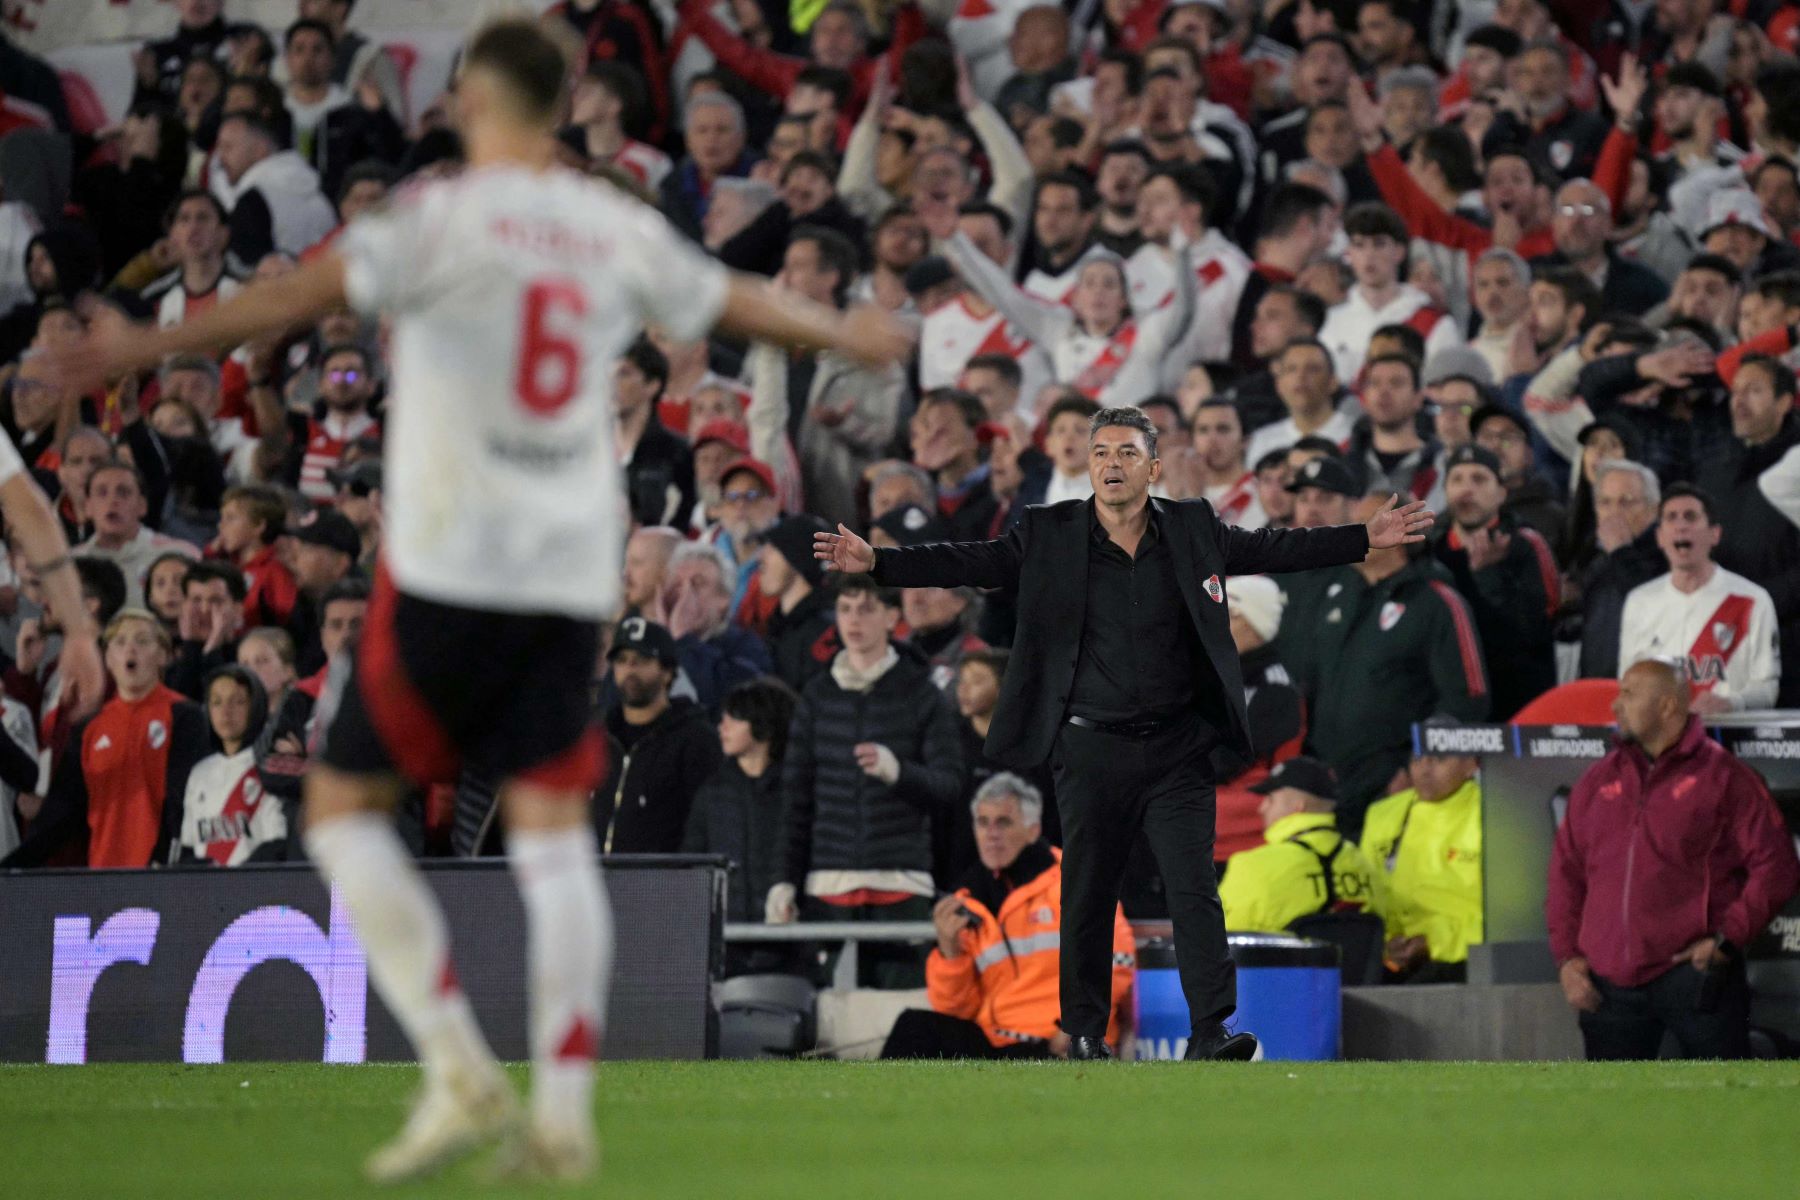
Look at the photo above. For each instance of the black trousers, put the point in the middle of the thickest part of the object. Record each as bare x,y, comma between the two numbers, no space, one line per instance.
1109,787
1630,1021
922,1033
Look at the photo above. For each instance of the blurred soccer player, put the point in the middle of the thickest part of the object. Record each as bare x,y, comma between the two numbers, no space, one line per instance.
512,289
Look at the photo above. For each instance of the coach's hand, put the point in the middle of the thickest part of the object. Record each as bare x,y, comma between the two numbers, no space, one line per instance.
951,918
843,551
1391,526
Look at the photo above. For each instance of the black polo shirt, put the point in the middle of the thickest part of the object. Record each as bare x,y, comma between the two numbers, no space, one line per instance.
1138,643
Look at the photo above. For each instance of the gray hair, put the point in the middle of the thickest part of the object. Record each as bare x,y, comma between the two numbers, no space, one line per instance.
927,488
711,99
999,787
1419,79
705,552
1128,418
1520,268
1624,466
757,194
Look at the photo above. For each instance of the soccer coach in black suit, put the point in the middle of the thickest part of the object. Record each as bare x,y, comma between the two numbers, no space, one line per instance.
1124,676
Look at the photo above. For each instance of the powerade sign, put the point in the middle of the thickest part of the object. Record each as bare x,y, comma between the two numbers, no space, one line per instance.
263,964
1462,739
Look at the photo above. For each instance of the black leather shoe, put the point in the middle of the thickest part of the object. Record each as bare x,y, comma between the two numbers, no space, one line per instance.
1215,1043
1088,1049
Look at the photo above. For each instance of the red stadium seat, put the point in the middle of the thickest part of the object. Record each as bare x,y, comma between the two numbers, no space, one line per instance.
1580,702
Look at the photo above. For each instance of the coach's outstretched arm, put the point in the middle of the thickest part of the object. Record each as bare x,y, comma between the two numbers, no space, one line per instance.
991,564
756,309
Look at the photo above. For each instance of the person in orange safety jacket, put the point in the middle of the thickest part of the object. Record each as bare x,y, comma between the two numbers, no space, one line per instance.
993,977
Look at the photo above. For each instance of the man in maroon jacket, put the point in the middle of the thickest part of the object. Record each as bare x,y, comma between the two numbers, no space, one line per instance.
1671,859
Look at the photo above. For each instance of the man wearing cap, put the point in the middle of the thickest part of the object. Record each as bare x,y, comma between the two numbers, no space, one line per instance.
359,499
669,744
1506,573
1425,844
749,506
802,630
1277,718
1737,229
1531,499
1305,866
326,546
1457,382
1125,678
717,444
1323,489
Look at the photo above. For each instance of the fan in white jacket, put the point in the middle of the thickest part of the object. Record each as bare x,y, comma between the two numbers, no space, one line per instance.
227,817
1096,345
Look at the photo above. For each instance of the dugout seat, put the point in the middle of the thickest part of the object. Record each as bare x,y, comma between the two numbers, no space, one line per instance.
1359,937
766,1016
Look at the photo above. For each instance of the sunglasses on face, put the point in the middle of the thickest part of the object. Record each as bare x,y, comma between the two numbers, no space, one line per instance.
747,496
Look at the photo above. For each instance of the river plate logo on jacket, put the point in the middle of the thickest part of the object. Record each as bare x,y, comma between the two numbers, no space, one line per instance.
1214,589
1391,612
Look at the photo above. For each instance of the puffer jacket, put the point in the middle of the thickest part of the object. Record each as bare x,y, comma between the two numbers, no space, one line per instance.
836,817
740,818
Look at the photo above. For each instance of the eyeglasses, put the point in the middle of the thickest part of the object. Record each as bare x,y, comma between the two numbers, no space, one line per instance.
344,376
1577,210
747,496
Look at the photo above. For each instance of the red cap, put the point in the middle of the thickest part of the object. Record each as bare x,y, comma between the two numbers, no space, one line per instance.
720,430
762,470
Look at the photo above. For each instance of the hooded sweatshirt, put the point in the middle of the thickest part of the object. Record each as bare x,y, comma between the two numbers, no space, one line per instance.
228,818
276,205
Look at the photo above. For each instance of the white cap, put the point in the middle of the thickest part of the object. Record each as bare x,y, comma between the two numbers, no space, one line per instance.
1735,206
1258,600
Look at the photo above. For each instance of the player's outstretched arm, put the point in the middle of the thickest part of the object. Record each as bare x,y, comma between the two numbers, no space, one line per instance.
754,309
115,346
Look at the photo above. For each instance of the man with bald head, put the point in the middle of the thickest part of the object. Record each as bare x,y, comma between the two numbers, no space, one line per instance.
1671,859
1581,225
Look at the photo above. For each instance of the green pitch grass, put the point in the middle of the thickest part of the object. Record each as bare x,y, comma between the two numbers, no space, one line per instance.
844,1131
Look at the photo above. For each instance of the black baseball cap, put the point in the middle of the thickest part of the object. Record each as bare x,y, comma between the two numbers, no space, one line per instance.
362,476
1470,454
911,525
1496,412
1307,774
329,528
928,273
647,638
1332,474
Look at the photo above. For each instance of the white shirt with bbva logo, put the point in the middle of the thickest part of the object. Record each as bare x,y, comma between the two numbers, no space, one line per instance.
1725,631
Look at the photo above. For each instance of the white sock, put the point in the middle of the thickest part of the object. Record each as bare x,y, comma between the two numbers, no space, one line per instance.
570,949
401,928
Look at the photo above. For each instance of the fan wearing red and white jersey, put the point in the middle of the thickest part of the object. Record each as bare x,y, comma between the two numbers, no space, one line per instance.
511,291
1174,207
968,327
1096,345
1719,625
1377,249
227,817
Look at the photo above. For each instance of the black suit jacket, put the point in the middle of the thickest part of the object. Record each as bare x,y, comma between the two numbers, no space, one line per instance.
1044,558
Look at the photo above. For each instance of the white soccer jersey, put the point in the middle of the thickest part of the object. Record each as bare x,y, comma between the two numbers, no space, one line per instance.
952,334
1350,325
1724,630
513,292
1284,433
1223,270
1238,503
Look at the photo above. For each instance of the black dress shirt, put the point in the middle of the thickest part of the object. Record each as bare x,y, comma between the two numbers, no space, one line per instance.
1138,644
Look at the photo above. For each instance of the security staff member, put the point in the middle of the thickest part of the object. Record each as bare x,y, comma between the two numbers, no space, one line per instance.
1394,624
993,977
1426,844
1125,676
1306,865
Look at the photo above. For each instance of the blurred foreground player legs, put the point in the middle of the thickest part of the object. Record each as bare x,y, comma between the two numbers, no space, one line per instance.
512,290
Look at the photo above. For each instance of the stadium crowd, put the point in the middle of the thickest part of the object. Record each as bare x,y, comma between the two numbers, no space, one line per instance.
1539,268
